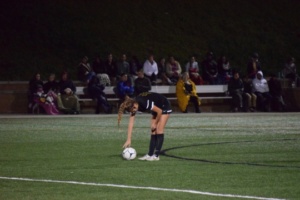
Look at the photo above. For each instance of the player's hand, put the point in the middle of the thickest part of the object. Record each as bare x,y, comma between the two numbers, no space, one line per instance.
153,128
127,144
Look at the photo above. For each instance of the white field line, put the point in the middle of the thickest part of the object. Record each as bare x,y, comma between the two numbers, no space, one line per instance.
136,187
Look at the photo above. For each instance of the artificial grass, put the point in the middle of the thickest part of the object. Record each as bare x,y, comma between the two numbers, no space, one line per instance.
214,149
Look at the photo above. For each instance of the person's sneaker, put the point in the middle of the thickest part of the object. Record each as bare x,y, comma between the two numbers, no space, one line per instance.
144,157
153,158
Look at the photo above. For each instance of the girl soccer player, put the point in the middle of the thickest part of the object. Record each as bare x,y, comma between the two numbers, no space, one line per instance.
160,109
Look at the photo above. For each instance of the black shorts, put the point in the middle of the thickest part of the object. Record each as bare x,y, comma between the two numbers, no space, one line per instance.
166,109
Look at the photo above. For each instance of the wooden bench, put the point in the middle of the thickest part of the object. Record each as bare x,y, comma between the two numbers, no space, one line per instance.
203,91
85,100
169,91
83,96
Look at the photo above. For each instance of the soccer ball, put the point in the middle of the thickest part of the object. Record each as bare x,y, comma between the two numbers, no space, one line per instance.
129,153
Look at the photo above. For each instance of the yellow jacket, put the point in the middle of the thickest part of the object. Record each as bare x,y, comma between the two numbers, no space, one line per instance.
182,97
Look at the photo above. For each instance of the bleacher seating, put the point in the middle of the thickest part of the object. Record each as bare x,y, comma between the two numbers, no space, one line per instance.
205,92
169,91
13,97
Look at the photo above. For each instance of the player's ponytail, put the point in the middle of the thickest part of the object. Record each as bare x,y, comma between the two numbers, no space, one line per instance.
128,103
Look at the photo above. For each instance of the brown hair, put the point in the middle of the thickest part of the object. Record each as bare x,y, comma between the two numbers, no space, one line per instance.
127,104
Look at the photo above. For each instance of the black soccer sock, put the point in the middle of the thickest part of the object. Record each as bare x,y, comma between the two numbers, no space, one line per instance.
152,144
159,143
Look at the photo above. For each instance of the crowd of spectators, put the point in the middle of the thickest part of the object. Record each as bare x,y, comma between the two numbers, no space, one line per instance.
255,92
55,97
167,71
131,77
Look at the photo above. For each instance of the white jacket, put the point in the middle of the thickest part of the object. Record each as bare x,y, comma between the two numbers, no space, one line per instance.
149,68
260,85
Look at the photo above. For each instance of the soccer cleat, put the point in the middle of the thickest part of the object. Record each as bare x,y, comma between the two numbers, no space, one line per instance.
144,157
152,158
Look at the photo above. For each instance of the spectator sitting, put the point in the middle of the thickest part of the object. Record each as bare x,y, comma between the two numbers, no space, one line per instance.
277,102
85,71
253,66
124,88
192,68
51,84
173,70
236,90
261,90
210,69
142,83
111,67
51,87
34,83
46,101
162,72
186,92
135,66
250,97
101,71
67,101
151,69
224,70
123,67
95,90
290,70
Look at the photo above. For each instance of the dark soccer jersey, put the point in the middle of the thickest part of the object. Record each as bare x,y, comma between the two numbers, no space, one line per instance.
147,100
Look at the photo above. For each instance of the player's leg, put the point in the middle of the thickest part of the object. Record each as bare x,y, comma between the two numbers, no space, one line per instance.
162,123
153,140
160,133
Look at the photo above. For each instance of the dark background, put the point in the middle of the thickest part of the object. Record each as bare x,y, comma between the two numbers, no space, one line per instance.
53,35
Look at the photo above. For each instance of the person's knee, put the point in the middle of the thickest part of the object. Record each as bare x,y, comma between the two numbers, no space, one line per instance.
159,130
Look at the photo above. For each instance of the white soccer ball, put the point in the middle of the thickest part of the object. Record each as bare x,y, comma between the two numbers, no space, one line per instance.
129,153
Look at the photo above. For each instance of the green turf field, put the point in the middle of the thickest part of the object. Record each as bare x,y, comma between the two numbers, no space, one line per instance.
207,156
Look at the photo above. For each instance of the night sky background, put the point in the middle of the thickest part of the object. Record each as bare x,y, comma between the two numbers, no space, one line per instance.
52,36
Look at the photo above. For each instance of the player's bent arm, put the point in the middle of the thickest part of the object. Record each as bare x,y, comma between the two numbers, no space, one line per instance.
158,111
129,132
